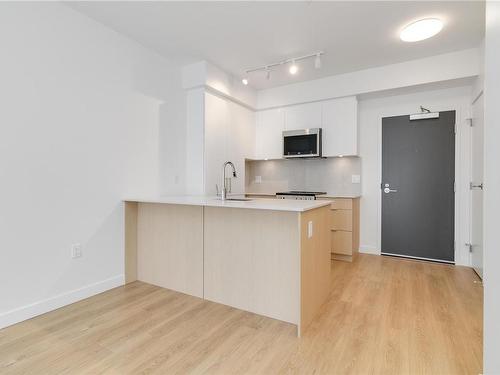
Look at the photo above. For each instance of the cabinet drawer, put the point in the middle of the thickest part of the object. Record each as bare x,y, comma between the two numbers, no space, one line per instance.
341,220
341,242
341,204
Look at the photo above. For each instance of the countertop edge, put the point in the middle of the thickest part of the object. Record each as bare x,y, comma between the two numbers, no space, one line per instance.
211,202
327,196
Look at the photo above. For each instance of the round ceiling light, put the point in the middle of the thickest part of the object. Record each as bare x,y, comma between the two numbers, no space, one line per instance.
293,68
421,30
244,81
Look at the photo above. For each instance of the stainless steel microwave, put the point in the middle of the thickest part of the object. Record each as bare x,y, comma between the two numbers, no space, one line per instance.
304,143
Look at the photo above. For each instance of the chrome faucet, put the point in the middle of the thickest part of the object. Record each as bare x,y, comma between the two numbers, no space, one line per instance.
223,193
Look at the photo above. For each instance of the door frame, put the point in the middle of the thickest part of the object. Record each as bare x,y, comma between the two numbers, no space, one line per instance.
475,98
462,176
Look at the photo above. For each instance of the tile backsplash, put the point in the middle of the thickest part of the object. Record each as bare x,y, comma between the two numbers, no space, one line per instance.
333,175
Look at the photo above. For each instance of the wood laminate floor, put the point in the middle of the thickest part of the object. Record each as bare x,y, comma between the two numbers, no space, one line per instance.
384,316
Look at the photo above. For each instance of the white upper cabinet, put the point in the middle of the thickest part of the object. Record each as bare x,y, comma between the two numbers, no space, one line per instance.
337,117
240,143
303,116
340,126
229,136
216,128
269,134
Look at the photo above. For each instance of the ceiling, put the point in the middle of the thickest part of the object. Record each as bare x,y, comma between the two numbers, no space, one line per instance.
240,35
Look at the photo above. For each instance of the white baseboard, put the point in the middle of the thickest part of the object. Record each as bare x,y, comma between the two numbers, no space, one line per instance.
41,307
369,250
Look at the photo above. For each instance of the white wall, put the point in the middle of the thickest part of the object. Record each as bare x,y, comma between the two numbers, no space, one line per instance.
450,66
492,190
371,112
82,109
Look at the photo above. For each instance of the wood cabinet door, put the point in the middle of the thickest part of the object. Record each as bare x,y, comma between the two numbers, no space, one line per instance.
341,204
341,220
341,242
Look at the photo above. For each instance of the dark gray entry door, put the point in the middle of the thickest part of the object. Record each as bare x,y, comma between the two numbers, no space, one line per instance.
418,178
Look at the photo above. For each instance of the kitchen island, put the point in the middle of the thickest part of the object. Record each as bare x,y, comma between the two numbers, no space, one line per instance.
269,257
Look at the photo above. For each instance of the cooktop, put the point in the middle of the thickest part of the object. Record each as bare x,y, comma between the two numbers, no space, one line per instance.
298,192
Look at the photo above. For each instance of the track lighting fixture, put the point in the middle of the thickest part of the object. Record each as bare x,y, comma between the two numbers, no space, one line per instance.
293,67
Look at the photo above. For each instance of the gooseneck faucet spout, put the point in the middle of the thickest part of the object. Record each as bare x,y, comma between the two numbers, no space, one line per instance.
223,194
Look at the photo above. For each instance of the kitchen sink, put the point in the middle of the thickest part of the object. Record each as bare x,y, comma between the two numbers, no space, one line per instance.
237,199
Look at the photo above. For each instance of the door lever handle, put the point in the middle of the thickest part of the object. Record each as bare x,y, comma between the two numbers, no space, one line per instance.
387,190
476,186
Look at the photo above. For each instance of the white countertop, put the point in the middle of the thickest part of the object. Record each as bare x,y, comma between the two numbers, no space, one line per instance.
254,203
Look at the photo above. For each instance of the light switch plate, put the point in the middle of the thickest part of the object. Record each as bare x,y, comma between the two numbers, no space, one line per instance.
76,250
355,178
309,229
258,179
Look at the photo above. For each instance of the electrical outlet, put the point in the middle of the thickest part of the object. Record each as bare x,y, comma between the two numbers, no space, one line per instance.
76,250
309,229
355,178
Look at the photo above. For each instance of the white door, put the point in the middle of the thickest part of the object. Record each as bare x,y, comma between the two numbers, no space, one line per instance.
476,191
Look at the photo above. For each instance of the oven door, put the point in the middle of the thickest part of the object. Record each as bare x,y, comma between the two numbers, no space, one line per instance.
304,143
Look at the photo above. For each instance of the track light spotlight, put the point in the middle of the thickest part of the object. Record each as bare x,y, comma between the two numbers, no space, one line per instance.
317,61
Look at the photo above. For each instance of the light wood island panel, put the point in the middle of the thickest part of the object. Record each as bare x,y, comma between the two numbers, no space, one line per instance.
130,241
252,261
170,247
262,261
315,264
